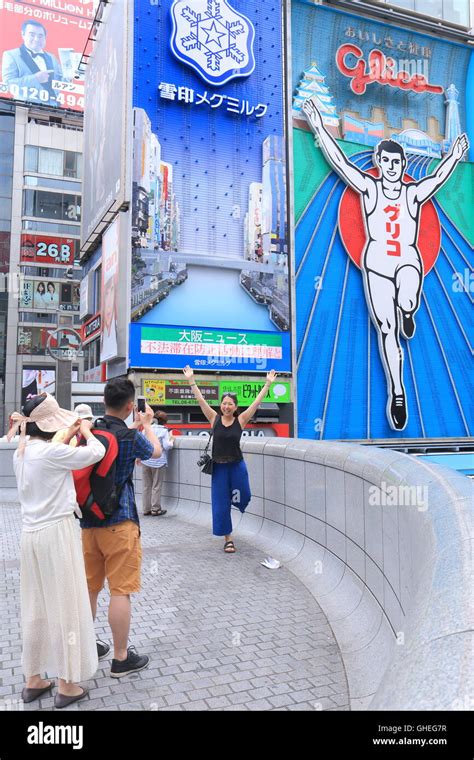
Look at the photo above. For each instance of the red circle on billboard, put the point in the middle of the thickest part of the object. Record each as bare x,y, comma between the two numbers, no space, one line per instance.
354,236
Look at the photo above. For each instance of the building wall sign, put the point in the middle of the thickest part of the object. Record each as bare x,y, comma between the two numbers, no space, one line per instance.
91,329
178,392
41,249
383,231
40,49
213,38
380,69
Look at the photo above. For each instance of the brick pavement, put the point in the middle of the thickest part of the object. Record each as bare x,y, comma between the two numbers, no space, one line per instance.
223,632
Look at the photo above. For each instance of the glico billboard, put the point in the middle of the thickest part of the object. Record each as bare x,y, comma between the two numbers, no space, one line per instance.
40,50
383,229
210,275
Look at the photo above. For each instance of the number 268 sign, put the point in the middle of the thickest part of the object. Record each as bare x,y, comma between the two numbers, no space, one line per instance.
47,250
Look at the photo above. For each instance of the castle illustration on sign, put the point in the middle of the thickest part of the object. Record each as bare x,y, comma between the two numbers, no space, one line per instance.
349,125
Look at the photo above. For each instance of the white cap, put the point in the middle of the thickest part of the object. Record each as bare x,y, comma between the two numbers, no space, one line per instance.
84,411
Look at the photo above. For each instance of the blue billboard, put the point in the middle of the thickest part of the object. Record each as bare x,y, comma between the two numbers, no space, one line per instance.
209,203
383,251
205,348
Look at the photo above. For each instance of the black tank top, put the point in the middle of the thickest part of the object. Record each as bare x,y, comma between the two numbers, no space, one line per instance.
226,442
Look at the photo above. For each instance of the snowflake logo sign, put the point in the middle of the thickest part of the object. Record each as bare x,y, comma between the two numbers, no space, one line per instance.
213,38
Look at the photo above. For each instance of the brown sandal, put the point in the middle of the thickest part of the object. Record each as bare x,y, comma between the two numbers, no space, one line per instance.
229,547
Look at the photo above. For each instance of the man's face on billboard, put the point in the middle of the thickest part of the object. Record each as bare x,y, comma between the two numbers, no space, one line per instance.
109,302
391,165
34,38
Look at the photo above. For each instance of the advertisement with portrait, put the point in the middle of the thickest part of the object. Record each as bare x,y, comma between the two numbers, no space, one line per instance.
383,229
37,379
110,269
210,242
105,122
40,52
43,249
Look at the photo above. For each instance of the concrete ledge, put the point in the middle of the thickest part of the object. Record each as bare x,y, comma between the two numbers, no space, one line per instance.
382,540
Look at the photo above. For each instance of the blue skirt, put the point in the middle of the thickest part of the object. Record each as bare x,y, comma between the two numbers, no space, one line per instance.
230,488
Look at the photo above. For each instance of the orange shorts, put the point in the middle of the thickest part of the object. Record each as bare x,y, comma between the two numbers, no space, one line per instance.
114,553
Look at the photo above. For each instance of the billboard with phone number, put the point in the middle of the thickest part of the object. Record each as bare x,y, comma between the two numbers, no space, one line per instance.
40,51
170,392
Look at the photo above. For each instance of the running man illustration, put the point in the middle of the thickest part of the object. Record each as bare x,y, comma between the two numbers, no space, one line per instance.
391,264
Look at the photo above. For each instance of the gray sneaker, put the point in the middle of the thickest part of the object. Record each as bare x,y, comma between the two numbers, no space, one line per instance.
132,664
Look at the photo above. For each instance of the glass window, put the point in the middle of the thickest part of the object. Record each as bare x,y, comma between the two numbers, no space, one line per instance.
50,161
70,164
60,184
409,4
6,143
430,7
49,272
5,225
49,205
5,186
28,202
72,207
7,123
29,225
456,11
31,158
5,208
6,164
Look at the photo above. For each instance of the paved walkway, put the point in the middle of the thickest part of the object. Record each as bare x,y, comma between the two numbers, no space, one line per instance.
223,632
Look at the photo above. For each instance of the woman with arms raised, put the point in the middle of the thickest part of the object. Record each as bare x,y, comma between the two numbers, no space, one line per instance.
230,481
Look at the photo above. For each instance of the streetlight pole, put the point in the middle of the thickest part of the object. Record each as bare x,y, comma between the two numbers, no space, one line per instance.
64,358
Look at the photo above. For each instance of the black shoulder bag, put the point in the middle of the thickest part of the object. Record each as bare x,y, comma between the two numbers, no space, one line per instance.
205,460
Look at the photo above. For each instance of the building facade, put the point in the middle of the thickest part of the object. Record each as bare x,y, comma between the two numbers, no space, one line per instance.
43,273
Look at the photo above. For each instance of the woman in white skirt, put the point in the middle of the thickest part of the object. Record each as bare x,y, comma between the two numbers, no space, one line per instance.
56,618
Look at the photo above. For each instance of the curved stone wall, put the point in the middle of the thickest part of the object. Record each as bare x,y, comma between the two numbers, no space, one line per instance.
381,539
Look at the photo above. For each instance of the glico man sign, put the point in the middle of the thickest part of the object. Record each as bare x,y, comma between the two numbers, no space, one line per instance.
392,263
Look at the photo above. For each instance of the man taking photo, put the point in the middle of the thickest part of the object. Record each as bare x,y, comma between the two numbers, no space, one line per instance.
112,548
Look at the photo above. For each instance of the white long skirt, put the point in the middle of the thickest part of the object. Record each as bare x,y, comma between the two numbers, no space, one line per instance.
56,618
